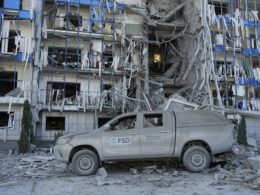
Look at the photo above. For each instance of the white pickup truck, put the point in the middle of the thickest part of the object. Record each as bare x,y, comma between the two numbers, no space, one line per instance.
193,136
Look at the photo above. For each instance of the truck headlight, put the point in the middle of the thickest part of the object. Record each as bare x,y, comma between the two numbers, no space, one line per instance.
64,140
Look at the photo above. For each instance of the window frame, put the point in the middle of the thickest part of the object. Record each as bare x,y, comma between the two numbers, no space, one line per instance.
118,120
153,116
10,120
54,118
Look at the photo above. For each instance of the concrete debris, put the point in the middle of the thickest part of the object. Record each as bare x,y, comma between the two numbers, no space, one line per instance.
38,159
42,165
240,169
103,182
102,172
8,183
255,162
133,171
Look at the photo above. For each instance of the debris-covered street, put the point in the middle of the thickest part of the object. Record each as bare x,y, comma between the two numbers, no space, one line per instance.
39,173
129,97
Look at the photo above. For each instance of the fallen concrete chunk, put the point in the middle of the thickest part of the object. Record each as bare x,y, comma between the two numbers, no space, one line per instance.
255,162
38,159
133,171
102,182
102,172
254,187
8,183
150,167
220,176
214,169
153,179
175,173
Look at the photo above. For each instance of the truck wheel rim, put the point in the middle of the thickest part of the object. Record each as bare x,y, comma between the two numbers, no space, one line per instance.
197,159
85,162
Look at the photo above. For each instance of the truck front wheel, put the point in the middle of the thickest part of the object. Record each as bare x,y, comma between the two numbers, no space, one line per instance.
85,162
196,158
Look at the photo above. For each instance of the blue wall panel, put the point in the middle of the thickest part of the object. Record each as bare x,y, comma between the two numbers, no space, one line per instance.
12,4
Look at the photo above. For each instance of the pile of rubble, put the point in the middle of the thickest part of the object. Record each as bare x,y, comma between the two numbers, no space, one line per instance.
243,168
14,167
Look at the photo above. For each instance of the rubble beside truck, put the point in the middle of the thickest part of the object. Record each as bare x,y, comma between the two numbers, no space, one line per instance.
193,136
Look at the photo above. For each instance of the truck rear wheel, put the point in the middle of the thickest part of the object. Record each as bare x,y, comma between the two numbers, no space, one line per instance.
196,159
85,162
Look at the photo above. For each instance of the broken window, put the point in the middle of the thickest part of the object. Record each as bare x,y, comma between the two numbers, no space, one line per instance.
73,21
256,62
7,120
153,120
69,57
128,122
8,39
107,59
55,123
107,87
56,92
221,8
8,82
11,42
253,41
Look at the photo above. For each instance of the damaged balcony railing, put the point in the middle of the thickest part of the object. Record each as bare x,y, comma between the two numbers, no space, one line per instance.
88,99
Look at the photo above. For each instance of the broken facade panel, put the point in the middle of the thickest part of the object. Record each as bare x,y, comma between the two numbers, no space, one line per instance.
16,56
83,62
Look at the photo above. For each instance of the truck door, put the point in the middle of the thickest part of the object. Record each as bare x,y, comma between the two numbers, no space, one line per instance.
156,134
122,139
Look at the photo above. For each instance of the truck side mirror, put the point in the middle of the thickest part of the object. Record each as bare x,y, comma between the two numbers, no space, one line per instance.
107,127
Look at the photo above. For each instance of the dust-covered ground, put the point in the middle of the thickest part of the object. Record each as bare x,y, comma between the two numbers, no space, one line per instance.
40,174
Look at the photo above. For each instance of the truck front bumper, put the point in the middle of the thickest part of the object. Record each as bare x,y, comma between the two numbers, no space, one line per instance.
62,152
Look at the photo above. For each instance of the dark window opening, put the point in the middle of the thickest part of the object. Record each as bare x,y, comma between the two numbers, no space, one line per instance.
7,120
107,59
58,91
102,121
256,63
1,3
74,21
257,92
4,116
11,41
55,123
253,41
21,4
69,57
220,8
153,120
124,123
8,82
107,87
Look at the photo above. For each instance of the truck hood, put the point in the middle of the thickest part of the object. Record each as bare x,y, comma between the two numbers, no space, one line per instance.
78,134
84,138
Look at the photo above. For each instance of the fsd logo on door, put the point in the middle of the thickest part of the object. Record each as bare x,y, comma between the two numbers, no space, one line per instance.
119,140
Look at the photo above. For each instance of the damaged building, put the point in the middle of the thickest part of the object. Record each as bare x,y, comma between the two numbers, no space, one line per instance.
82,62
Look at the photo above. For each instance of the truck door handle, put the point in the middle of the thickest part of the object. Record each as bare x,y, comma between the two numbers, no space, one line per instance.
132,133
165,131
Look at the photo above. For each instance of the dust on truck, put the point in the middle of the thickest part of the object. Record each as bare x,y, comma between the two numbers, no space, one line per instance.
193,136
